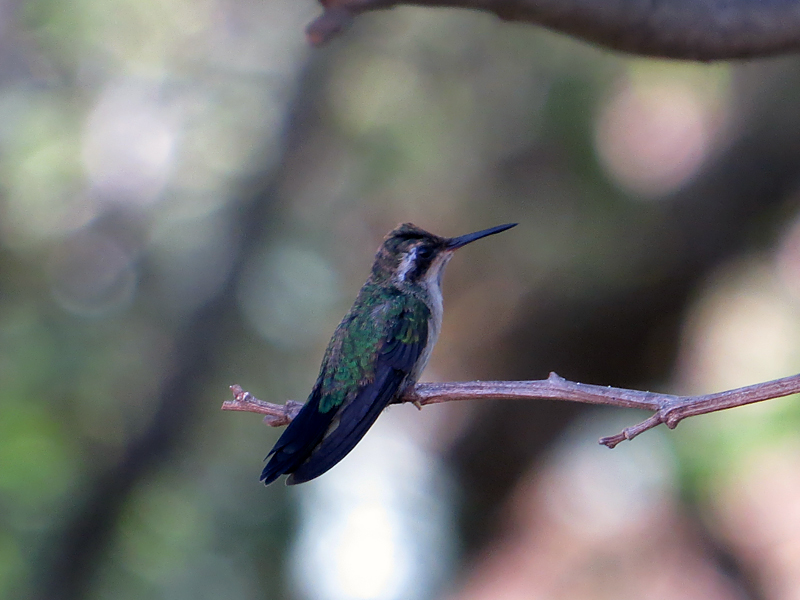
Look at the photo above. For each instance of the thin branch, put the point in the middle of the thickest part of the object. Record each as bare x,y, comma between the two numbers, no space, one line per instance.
685,29
275,415
668,409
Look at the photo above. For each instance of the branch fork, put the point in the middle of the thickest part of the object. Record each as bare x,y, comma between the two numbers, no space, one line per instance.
668,409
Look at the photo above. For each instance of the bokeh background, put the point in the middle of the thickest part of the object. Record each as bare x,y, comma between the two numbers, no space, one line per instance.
190,197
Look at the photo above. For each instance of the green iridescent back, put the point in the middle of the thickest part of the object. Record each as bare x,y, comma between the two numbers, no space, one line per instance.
381,317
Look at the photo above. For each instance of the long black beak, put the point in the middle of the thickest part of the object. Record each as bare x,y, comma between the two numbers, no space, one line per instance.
463,240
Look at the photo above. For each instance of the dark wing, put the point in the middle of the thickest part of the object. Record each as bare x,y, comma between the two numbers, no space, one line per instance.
298,440
395,361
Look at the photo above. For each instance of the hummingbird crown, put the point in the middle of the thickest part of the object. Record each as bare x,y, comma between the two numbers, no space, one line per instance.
407,254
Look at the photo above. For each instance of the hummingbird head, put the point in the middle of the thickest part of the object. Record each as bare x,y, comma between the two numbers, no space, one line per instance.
410,255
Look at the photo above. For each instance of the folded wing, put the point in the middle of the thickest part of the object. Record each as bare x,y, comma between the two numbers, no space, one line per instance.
395,361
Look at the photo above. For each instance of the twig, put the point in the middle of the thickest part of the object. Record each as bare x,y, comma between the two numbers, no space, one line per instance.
668,409
275,415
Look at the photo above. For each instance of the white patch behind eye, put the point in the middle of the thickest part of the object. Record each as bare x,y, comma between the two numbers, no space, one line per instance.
408,263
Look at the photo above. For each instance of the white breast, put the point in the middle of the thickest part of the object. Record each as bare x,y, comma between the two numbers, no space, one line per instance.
433,289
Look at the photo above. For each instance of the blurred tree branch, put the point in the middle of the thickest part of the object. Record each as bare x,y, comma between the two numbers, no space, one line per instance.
669,409
685,29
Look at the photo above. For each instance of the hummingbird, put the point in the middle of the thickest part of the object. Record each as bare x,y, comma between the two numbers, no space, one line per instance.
377,352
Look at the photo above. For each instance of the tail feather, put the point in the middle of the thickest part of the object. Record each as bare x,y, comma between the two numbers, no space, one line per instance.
297,441
355,421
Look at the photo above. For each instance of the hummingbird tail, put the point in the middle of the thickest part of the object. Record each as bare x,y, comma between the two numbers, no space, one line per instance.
299,438
355,420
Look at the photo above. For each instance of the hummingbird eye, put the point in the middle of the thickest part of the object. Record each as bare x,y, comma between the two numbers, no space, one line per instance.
424,252
415,262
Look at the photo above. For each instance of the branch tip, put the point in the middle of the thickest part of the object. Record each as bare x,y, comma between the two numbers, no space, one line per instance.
612,440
